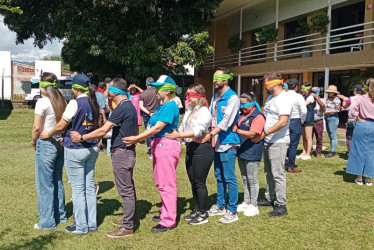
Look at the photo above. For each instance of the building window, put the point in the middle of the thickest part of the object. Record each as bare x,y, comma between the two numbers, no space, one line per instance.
293,32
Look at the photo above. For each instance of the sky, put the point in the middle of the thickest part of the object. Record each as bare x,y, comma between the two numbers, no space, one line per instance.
26,52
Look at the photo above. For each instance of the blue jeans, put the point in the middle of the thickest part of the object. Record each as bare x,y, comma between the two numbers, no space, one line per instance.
80,166
296,130
224,171
332,122
148,140
49,162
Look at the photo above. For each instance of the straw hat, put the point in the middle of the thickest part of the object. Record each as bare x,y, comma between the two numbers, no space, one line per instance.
332,89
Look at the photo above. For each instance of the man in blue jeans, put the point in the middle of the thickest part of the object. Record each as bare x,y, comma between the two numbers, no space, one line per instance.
224,108
298,115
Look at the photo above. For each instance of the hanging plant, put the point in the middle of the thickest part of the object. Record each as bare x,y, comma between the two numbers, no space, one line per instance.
267,34
319,23
235,44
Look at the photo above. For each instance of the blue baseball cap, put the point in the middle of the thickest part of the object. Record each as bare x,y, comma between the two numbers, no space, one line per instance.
81,79
164,79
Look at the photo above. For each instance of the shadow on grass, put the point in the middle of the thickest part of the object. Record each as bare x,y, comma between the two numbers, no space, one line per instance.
346,177
142,209
105,186
106,207
5,112
40,242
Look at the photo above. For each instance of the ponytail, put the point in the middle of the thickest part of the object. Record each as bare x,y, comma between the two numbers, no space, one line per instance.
94,106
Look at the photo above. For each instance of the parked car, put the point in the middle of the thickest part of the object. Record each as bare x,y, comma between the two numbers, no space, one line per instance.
64,85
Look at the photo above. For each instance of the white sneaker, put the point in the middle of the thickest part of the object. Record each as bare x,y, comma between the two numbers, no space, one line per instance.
229,217
358,182
251,211
215,210
36,226
242,207
300,156
306,157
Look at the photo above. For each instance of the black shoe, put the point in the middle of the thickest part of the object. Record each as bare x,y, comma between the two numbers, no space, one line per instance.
199,219
265,203
330,155
278,211
191,216
156,218
160,228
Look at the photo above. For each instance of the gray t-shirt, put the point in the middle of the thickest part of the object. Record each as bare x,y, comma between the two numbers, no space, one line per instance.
150,100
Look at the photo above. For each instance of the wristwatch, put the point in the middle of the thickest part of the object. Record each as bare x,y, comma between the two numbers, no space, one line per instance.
81,140
211,135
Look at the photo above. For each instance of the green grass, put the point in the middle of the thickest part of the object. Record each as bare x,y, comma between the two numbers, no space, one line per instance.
326,209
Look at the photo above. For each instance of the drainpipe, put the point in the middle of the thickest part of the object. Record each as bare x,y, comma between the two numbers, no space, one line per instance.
239,84
326,85
276,26
240,35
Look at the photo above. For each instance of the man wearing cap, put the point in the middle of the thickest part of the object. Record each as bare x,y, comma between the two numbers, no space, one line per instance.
350,125
297,118
224,107
148,103
277,111
165,152
123,121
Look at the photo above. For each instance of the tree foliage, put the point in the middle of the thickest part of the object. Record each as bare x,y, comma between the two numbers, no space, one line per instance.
6,7
129,38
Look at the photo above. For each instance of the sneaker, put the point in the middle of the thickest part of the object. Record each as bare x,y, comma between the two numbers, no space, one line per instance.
229,217
278,211
242,207
71,229
160,228
359,182
265,203
36,226
305,157
118,222
330,155
156,218
97,189
215,210
150,157
120,233
300,156
368,183
251,211
191,216
199,219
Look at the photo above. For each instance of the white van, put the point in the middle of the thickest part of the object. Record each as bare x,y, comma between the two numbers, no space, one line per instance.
64,85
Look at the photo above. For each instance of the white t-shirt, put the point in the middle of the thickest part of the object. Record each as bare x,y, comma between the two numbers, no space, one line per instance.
178,102
310,98
298,106
275,107
43,107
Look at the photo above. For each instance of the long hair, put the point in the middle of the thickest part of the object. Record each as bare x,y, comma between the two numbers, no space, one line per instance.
54,95
94,105
371,89
199,89
251,97
307,84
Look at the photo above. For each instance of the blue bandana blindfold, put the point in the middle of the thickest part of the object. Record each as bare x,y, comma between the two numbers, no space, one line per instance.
250,104
116,91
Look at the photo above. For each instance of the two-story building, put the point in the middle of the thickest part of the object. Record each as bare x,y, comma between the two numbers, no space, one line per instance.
342,55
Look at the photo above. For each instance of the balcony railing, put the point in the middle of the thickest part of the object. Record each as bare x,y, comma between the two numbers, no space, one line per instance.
345,39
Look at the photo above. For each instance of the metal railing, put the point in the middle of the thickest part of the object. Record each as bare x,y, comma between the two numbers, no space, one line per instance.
344,39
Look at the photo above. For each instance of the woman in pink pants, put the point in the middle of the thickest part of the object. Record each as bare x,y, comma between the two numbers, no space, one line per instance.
165,152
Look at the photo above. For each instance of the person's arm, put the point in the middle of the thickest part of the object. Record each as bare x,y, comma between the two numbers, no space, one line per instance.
36,129
142,108
257,126
137,87
146,134
344,99
96,134
102,111
303,110
282,122
58,129
354,109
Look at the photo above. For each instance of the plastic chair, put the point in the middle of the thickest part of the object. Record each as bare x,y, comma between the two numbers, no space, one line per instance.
357,46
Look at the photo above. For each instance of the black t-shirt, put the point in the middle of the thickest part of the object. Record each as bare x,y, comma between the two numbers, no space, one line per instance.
125,118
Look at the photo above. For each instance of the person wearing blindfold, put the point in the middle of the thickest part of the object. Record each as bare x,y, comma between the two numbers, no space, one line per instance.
251,123
199,156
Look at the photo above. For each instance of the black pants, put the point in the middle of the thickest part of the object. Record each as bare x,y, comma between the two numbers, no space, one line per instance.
199,159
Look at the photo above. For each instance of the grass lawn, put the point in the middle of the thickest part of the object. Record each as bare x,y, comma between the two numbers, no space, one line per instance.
326,209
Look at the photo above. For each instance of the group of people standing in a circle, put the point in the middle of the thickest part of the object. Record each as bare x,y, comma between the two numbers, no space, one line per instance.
231,127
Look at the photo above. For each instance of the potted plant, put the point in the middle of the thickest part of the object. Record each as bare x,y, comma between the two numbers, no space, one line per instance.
319,22
235,44
303,29
267,34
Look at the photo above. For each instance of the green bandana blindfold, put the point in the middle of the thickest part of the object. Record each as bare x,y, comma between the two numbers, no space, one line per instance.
222,77
306,88
77,86
166,88
47,84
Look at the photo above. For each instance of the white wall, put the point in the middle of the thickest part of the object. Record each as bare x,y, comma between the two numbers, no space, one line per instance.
47,66
5,73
